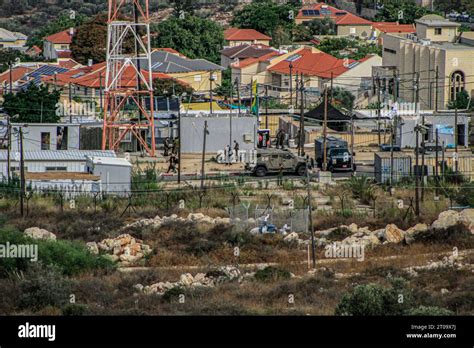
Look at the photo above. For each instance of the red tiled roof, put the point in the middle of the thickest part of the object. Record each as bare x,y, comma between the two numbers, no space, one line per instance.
394,27
249,61
350,19
341,17
63,37
68,64
313,64
236,34
17,73
91,76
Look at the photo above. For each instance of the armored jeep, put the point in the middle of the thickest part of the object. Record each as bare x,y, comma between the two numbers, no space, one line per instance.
274,160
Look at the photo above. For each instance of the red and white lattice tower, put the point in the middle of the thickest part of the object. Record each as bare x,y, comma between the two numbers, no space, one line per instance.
129,77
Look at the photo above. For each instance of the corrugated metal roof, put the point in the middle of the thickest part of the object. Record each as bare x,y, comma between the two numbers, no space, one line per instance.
58,155
110,161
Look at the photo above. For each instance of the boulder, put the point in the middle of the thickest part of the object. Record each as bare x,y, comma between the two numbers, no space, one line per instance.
353,228
411,233
393,234
446,219
293,236
93,248
325,233
186,279
39,233
466,217
196,216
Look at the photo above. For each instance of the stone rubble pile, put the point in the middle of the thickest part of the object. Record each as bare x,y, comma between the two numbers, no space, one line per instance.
158,221
391,233
452,261
200,280
124,249
39,233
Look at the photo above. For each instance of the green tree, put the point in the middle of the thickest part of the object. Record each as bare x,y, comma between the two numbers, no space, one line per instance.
325,26
33,105
170,87
8,56
266,17
462,101
226,84
338,47
344,98
90,41
192,36
63,22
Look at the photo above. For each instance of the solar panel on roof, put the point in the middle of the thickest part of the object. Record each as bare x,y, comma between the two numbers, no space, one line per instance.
293,58
325,12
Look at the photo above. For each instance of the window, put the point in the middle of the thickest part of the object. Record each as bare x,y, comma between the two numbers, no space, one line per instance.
45,141
61,138
197,78
438,31
352,31
457,83
56,169
388,50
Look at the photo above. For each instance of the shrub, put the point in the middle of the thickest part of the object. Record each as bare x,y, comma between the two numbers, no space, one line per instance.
43,286
73,309
434,311
271,274
70,258
373,299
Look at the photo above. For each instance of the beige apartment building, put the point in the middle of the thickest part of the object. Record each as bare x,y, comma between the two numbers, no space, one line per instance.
443,58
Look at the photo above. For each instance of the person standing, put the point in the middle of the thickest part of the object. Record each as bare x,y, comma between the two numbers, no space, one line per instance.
236,149
172,163
166,144
280,175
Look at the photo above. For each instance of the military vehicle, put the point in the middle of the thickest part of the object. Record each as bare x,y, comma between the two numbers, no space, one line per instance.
338,155
272,160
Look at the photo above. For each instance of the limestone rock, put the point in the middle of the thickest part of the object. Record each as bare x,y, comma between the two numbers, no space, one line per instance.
393,234
293,236
39,233
411,233
93,248
446,219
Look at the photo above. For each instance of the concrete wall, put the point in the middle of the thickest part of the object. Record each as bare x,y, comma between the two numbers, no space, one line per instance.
408,137
192,129
32,136
116,180
362,31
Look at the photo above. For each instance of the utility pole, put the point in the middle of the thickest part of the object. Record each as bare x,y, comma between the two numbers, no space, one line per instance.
291,83
417,176
352,143
11,77
436,162
332,91
393,138
266,106
230,114
9,148
302,135
211,79
310,217
22,173
179,139
456,125
70,103
325,125
436,88
206,132
238,93
379,111
100,93
297,83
